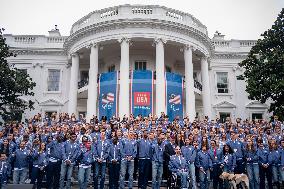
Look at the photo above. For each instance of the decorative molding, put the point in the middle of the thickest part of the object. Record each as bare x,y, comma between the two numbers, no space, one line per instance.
74,54
157,40
50,102
126,39
92,44
27,51
224,104
146,23
256,104
40,64
187,47
229,55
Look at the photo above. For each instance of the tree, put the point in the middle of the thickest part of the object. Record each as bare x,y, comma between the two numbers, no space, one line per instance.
264,68
14,83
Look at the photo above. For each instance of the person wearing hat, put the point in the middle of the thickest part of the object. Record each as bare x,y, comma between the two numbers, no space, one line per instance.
55,154
85,159
70,154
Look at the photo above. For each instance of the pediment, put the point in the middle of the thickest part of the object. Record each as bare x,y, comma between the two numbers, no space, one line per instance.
224,104
50,102
256,104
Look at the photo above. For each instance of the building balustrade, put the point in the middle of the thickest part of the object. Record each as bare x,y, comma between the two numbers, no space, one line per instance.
129,11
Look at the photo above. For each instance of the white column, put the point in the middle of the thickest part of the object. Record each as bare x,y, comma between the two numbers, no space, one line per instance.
189,84
124,78
206,97
73,90
92,88
160,77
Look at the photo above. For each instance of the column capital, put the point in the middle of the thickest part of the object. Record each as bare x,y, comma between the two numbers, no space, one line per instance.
93,44
126,39
187,47
74,54
206,57
158,40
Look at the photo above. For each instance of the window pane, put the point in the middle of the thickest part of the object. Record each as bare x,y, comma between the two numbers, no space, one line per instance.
144,66
111,68
140,65
53,80
222,82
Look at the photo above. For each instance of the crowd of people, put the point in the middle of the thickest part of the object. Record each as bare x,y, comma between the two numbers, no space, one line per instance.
60,147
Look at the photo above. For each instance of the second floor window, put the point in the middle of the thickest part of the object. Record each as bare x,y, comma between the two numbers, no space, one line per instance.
140,65
222,82
53,80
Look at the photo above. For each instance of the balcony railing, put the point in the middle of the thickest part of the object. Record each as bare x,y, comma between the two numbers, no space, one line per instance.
85,82
142,12
197,85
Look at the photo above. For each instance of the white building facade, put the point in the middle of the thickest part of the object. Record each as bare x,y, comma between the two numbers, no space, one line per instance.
136,37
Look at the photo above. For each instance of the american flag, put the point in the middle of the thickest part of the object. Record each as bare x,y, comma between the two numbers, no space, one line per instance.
175,99
107,98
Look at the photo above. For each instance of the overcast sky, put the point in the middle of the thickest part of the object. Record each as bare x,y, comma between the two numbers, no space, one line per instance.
237,19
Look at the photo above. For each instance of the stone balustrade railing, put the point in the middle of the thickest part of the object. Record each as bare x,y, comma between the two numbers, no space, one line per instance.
154,12
37,41
233,43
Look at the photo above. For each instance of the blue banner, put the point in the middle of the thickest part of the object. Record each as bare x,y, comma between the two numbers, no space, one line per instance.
108,94
174,95
142,92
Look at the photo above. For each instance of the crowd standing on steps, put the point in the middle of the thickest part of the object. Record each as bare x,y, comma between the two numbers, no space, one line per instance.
50,151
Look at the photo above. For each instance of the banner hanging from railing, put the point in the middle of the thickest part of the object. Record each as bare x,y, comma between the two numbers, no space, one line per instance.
174,95
108,94
142,83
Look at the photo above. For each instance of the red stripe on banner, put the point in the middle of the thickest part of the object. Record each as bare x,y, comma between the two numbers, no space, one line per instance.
165,108
166,94
109,98
131,97
99,96
175,100
116,94
152,94
182,85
